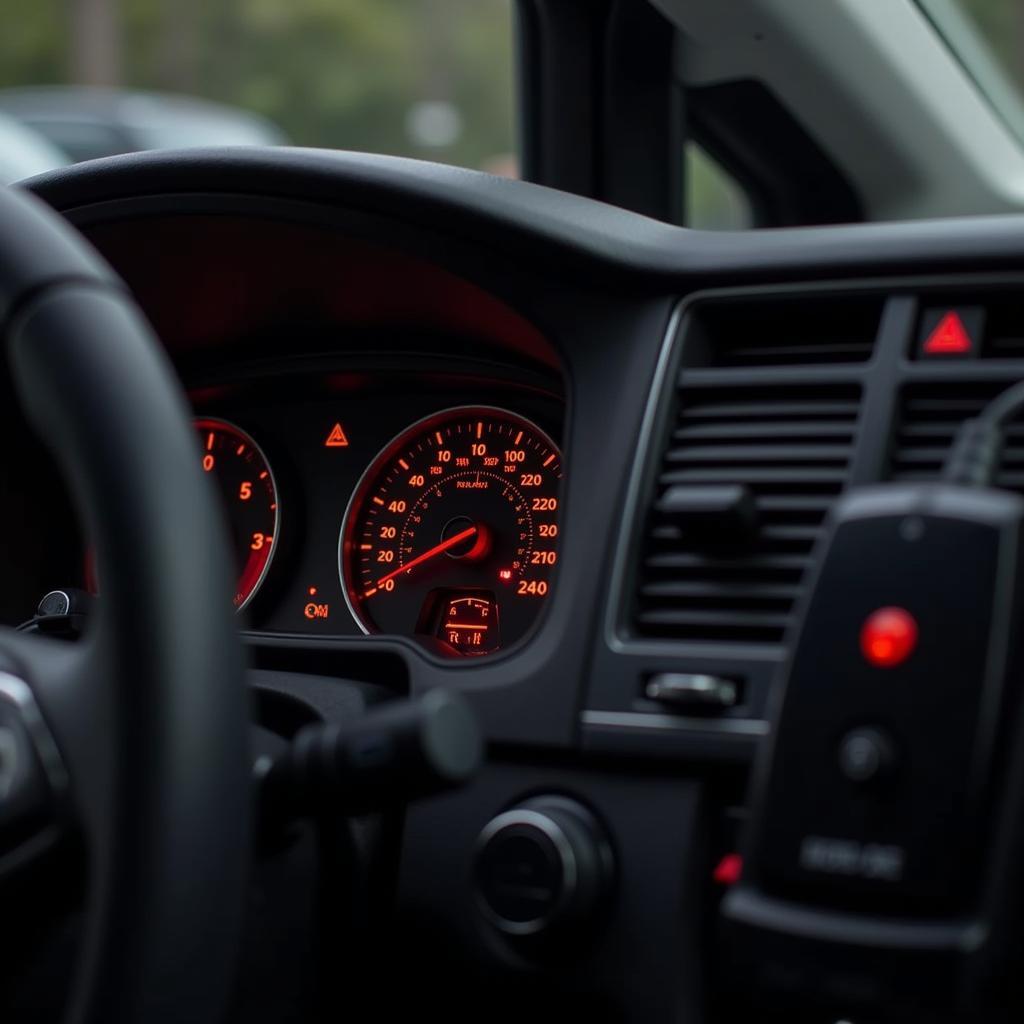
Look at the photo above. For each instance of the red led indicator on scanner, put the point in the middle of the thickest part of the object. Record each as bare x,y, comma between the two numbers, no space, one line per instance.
888,637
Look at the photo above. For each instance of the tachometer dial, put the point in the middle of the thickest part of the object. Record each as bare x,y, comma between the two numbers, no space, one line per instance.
247,486
453,531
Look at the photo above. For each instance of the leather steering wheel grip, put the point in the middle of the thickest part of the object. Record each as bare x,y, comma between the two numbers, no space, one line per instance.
152,724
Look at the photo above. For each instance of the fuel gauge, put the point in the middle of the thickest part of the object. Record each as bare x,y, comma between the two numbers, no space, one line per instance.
465,621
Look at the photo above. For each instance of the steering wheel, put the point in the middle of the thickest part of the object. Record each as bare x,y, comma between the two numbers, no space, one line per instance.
137,734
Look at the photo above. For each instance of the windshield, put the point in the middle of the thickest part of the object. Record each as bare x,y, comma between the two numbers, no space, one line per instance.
987,37
434,79
422,78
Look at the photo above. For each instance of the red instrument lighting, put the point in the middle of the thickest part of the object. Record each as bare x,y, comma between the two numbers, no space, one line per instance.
242,475
337,438
888,637
458,503
437,549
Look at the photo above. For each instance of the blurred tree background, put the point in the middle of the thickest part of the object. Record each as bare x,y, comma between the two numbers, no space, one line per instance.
426,78
430,78
1001,23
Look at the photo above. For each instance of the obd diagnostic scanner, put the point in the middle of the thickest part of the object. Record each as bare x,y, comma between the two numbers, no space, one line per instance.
883,861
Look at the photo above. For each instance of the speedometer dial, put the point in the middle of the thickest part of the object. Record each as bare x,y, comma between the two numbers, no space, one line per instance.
249,494
453,531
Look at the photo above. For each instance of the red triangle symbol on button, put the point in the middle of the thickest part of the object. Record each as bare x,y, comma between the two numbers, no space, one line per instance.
950,337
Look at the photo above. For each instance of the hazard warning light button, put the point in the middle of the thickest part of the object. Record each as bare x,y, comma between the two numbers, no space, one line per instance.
951,332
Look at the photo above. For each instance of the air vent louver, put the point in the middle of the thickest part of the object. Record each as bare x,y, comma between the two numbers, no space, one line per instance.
929,417
791,446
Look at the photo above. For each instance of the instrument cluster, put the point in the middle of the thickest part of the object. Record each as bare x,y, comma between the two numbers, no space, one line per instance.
408,503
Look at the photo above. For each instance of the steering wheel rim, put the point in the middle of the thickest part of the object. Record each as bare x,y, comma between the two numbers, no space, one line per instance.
148,712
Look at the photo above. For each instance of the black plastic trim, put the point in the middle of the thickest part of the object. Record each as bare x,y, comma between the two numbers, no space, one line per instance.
788,177
577,239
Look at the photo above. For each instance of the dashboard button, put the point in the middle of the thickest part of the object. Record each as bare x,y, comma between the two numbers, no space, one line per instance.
522,873
866,755
692,691
951,332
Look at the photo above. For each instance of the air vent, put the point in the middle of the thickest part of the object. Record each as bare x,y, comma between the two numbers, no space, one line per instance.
1004,326
791,448
929,417
784,332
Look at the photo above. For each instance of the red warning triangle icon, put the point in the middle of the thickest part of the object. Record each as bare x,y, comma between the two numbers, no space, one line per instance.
336,438
950,337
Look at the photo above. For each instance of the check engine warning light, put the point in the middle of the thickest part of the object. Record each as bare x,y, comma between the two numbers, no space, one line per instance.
470,625
316,610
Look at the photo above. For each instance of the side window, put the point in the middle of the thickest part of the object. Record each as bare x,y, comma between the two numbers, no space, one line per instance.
712,199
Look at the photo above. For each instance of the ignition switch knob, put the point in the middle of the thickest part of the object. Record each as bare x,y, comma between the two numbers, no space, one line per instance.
543,867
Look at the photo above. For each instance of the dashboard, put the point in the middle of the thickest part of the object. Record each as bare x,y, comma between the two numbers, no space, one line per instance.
572,463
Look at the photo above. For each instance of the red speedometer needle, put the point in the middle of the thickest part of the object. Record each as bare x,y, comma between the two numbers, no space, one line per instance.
439,549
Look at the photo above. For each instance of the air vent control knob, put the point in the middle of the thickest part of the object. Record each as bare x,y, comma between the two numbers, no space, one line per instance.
724,510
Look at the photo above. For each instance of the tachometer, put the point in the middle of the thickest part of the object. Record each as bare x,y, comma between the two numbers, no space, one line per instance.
247,486
453,531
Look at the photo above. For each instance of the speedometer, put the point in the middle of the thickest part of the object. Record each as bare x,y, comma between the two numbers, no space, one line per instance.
453,531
